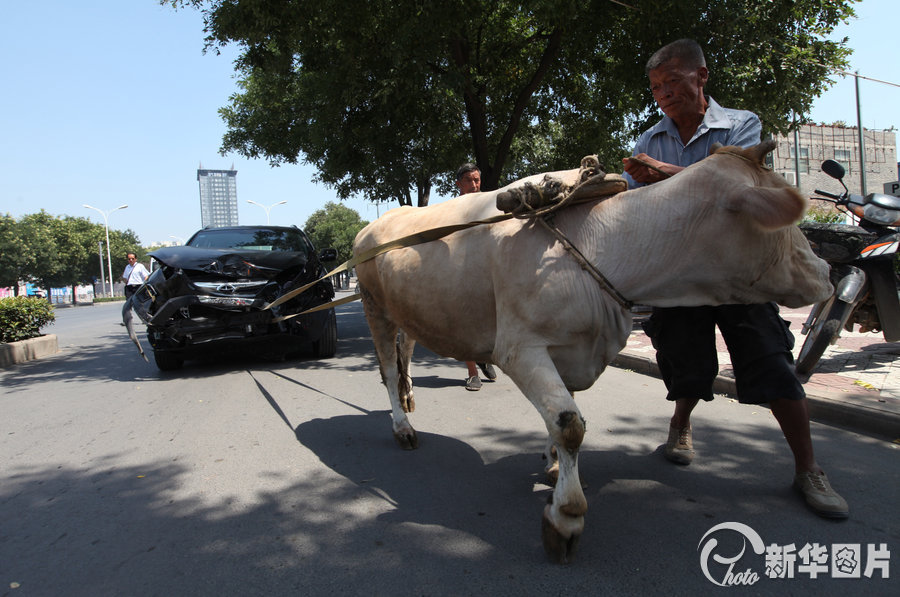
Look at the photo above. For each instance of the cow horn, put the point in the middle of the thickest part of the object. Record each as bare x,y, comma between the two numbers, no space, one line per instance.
760,150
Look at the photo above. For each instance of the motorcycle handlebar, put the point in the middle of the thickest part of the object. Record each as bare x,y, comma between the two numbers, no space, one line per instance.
829,195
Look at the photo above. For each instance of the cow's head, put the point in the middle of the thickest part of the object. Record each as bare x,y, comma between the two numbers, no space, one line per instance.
741,233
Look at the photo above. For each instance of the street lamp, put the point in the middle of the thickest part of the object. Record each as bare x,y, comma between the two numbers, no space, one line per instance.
266,208
178,238
106,225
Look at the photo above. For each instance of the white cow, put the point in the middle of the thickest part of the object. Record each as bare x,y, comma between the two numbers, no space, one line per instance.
508,293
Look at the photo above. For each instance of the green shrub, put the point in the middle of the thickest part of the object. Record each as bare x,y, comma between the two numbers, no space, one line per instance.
825,214
109,299
22,317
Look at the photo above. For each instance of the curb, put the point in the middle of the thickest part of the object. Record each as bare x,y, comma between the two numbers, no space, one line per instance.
856,412
27,350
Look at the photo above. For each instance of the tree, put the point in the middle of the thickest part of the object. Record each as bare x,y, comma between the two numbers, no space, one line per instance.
58,251
73,238
41,249
335,227
389,97
14,260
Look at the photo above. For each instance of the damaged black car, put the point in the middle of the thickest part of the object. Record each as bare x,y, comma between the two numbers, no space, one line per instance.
215,293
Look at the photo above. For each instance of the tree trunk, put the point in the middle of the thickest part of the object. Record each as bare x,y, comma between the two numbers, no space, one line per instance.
423,190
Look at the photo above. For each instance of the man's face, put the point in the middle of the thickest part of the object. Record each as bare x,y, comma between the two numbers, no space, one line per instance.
469,183
679,90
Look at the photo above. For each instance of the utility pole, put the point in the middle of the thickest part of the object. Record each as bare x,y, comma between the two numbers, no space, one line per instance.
862,140
106,225
102,273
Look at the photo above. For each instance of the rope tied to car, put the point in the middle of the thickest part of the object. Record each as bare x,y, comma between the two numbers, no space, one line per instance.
530,201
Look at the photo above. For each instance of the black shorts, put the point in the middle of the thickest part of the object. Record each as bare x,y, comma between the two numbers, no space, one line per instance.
758,341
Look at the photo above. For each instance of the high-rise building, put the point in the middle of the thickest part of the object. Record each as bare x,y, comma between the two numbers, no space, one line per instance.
218,197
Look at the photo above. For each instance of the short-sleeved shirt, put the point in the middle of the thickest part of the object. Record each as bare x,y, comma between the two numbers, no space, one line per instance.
684,337
135,274
720,125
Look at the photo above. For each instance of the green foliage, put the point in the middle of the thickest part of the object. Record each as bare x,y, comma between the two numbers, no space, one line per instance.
55,251
335,227
109,299
13,253
825,214
388,98
22,317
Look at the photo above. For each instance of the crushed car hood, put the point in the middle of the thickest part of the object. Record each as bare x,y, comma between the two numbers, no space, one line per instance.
228,261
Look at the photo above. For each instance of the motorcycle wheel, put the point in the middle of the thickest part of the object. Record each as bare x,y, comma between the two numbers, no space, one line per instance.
824,331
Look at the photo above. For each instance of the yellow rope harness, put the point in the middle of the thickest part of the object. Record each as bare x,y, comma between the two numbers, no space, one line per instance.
593,185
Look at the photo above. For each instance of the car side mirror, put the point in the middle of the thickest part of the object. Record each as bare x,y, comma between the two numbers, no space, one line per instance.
328,255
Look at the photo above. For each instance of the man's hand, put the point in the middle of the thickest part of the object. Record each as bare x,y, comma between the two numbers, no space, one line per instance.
641,173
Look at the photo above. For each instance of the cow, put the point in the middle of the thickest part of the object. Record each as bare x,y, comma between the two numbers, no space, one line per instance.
720,232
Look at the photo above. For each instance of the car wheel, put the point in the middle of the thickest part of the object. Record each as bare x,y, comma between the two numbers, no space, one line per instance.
326,346
166,361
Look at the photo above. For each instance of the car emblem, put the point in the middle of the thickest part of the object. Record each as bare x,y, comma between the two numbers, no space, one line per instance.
225,288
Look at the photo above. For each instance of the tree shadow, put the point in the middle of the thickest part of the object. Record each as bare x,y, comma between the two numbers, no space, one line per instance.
871,356
376,520
458,516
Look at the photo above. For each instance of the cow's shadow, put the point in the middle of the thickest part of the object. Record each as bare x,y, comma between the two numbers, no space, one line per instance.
444,483
447,484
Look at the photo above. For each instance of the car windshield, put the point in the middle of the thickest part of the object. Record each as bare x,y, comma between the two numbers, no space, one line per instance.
265,239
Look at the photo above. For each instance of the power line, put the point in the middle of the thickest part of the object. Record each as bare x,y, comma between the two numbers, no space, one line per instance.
847,73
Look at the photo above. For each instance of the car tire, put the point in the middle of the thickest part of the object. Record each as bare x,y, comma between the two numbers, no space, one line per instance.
166,361
326,346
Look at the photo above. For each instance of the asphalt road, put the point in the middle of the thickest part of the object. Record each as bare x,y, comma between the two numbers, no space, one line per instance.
251,477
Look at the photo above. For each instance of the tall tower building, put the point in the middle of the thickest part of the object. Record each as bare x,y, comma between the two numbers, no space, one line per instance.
218,197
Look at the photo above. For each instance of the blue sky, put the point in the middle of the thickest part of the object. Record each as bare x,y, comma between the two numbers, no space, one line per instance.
108,102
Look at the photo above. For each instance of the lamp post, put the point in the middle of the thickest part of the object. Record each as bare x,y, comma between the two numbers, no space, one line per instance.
266,208
178,238
102,271
106,225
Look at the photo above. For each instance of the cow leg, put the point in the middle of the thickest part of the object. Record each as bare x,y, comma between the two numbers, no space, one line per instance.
552,468
384,336
563,519
405,346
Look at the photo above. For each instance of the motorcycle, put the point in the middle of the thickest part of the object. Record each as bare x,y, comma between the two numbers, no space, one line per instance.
862,271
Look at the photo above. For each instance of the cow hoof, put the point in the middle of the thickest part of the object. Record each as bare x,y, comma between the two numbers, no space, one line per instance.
560,549
408,404
408,440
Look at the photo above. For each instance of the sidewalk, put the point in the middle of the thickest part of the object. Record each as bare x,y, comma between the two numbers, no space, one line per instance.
856,384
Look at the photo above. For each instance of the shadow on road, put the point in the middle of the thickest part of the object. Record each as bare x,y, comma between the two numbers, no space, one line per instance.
430,521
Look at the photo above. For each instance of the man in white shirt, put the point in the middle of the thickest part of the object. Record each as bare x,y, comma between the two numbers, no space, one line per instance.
134,275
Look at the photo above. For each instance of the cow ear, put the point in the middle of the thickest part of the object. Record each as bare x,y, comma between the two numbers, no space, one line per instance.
771,207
